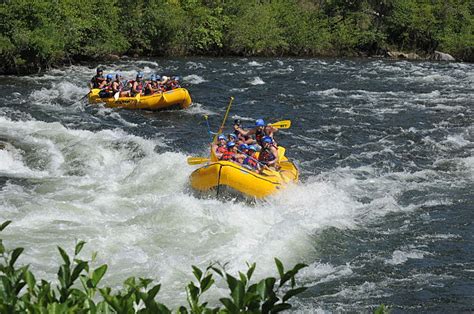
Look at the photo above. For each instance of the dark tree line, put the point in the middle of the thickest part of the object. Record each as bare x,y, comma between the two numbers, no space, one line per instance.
38,34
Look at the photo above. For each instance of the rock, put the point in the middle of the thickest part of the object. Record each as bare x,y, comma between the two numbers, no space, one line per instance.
441,56
112,57
403,55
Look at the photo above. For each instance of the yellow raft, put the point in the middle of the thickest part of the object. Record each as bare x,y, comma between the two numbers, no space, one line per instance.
174,98
217,175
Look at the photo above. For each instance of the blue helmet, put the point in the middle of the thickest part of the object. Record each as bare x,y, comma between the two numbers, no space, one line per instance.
99,70
110,76
233,135
221,137
251,147
140,75
158,77
267,139
153,78
230,144
243,146
118,75
260,122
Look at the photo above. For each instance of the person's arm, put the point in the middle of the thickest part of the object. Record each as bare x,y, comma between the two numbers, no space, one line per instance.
243,132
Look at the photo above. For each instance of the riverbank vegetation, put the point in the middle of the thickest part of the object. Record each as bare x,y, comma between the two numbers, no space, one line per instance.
38,34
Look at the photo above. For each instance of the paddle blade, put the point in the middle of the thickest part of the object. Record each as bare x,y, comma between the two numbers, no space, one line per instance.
116,95
197,160
284,124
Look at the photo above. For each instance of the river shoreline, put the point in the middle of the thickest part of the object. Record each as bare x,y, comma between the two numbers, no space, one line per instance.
388,55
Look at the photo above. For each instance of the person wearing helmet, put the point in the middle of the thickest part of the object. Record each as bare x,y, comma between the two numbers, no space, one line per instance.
251,160
220,147
269,153
232,137
137,85
98,79
174,82
117,87
260,130
241,153
230,153
149,90
242,138
106,89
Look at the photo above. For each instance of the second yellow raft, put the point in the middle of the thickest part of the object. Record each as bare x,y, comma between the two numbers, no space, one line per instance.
174,98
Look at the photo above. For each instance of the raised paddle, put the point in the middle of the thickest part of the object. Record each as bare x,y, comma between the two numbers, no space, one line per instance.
225,118
284,124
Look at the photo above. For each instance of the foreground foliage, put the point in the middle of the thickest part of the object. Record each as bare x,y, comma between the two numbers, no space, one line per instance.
37,34
79,289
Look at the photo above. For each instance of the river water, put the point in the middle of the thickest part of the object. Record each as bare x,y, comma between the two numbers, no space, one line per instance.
383,212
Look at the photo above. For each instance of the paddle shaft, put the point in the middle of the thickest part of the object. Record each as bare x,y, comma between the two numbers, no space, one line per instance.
225,118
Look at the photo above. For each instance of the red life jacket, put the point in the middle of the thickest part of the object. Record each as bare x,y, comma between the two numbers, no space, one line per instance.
251,161
139,85
221,149
266,154
228,155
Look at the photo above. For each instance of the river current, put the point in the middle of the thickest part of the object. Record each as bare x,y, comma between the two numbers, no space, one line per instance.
383,212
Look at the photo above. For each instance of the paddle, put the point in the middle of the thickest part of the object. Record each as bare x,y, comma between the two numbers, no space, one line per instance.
284,124
225,118
116,95
197,160
84,97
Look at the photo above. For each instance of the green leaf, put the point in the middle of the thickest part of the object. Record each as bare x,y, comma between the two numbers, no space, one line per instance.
238,294
15,254
2,248
250,270
291,293
78,269
30,280
197,273
229,305
154,291
280,268
243,278
79,247
280,307
206,283
5,224
231,282
218,271
64,256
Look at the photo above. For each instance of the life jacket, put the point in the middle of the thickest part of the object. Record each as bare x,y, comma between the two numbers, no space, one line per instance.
139,86
228,155
149,89
251,161
97,80
174,85
119,87
266,155
259,136
221,149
